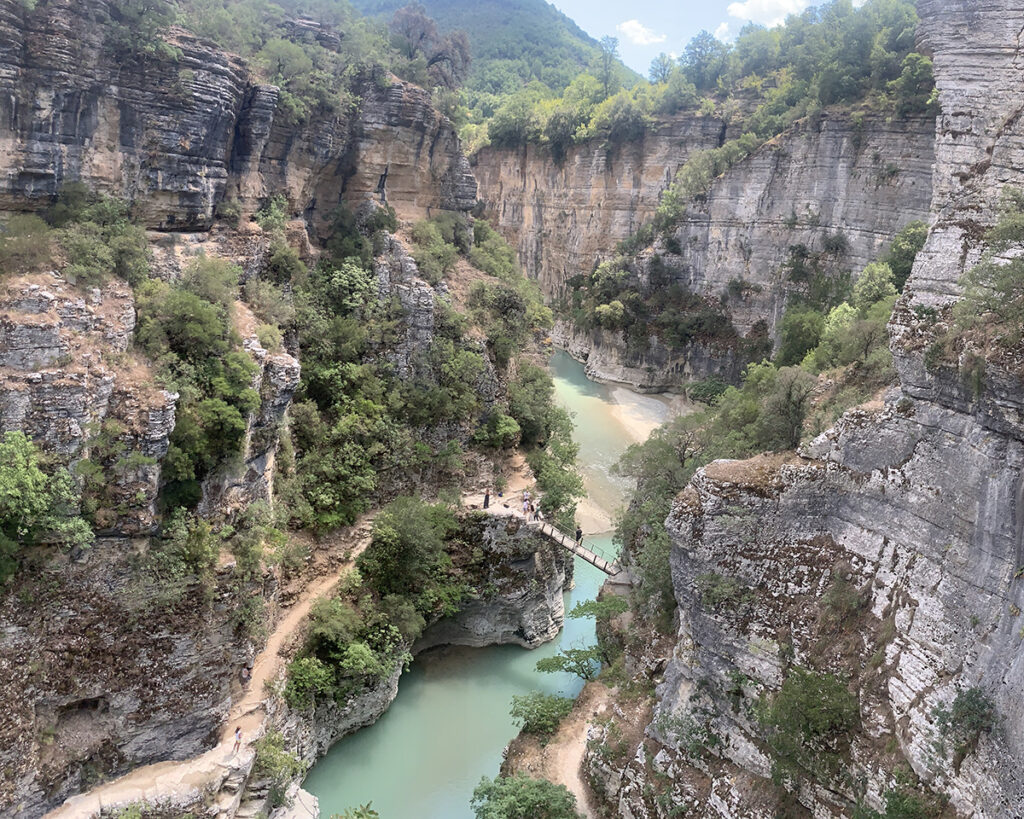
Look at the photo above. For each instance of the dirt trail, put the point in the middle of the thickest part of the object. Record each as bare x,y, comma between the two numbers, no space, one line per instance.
178,779
182,779
561,760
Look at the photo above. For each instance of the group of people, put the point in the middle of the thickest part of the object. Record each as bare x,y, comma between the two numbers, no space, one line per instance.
531,510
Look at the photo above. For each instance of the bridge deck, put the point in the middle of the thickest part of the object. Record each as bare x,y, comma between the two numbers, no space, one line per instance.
609,567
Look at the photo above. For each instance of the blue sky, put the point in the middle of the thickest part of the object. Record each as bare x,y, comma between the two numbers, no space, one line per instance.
647,27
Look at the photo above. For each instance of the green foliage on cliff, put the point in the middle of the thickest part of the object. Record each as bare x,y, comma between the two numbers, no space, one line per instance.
992,306
539,713
808,723
276,764
961,724
37,505
521,797
766,413
186,330
616,299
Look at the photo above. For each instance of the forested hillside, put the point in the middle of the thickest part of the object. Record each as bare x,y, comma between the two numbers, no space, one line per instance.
513,41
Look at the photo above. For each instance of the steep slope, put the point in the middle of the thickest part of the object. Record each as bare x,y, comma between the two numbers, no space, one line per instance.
176,137
837,181
512,40
888,554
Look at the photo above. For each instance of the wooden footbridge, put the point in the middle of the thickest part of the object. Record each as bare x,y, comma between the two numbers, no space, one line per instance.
594,556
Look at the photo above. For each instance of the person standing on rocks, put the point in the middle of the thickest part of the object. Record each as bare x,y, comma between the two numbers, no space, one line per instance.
487,498
238,740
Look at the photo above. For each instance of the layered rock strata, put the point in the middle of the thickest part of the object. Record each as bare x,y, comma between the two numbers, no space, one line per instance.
838,187
564,217
176,136
911,509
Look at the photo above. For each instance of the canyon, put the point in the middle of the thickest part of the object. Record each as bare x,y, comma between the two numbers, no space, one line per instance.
911,503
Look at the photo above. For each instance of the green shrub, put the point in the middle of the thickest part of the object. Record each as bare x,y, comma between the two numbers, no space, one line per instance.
269,337
972,713
539,713
24,244
35,507
499,431
308,678
904,249
520,797
275,764
808,724
583,662
229,210
407,547
717,590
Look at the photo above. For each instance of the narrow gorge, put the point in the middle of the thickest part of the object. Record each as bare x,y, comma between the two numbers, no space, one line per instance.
285,290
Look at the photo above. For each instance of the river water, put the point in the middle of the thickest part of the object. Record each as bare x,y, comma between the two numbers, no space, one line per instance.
450,722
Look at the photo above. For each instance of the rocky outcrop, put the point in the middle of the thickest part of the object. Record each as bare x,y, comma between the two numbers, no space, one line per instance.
564,217
107,669
175,136
607,356
838,186
67,376
234,488
521,602
909,511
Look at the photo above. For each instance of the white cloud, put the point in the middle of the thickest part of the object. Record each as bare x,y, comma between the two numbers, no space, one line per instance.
769,12
638,34
722,32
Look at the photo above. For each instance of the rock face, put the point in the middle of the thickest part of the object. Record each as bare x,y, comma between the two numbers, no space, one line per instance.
66,374
606,356
105,671
565,217
836,182
911,511
526,576
174,137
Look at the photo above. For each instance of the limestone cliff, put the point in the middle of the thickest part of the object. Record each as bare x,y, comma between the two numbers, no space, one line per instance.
174,137
909,511
851,182
564,217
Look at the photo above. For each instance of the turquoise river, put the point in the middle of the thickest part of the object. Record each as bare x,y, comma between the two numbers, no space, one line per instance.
450,722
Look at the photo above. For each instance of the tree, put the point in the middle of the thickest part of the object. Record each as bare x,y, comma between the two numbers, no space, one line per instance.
808,722
601,610
540,713
873,285
704,60
608,64
799,331
35,507
448,65
583,662
780,423
661,68
413,31
521,797
904,249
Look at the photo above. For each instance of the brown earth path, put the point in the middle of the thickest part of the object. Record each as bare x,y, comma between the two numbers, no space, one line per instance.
182,779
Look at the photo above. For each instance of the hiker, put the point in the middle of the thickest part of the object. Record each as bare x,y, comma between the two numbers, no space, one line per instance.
526,507
579,536
238,740
487,498
540,515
